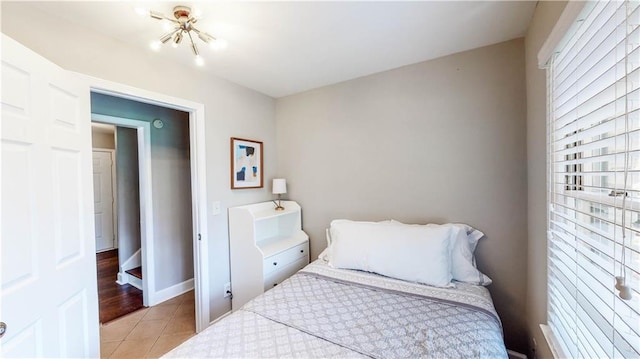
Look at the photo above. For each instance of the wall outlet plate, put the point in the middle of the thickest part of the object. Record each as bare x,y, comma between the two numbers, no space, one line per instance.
227,290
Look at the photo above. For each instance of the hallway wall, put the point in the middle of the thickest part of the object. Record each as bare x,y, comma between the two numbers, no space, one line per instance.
102,138
128,193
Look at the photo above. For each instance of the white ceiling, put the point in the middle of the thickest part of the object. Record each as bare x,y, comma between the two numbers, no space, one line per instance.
282,48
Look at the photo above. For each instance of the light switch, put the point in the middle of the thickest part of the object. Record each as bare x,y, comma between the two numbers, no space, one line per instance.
215,208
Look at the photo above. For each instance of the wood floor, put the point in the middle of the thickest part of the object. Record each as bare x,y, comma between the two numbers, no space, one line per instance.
136,272
115,300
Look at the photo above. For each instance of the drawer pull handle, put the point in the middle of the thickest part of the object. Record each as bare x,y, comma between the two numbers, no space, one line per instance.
302,251
275,263
275,284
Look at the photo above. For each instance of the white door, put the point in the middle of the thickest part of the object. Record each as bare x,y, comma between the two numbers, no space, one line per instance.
49,298
103,199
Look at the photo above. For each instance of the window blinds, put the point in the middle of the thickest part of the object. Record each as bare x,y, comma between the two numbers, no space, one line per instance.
594,158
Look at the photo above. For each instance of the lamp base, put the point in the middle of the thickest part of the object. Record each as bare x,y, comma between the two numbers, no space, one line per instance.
278,205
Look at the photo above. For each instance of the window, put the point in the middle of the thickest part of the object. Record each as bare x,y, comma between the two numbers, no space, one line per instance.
573,177
594,183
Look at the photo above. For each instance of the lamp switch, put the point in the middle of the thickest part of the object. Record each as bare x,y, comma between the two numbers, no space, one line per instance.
215,208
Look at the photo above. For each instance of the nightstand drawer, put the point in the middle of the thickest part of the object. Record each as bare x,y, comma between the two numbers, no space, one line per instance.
283,273
282,259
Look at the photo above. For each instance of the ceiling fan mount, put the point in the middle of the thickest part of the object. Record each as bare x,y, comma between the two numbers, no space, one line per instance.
181,12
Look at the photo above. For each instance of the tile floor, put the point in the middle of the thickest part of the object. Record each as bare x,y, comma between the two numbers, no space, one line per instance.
150,332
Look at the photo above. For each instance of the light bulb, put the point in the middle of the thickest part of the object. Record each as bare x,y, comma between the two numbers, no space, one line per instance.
141,11
155,45
218,44
199,60
176,40
205,37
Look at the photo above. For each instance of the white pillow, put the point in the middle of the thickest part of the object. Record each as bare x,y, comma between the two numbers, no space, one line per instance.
464,242
473,235
328,237
463,267
413,253
326,253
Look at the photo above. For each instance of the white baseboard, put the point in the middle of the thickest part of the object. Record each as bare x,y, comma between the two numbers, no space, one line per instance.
122,278
106,249
126,278
135,281
171,292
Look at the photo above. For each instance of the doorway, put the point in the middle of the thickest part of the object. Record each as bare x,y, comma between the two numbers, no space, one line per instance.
116,298
196,118
161,240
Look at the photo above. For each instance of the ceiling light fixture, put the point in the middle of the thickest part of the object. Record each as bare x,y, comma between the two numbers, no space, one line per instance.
182,25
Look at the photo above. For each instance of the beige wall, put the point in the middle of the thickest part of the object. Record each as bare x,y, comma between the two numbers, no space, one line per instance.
545,17
101,139
231,110
438,141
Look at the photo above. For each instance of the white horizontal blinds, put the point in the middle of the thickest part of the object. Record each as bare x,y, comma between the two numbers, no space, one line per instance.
594,138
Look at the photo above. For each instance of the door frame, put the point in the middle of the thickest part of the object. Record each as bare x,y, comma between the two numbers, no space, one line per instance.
114,203
143,131
198,178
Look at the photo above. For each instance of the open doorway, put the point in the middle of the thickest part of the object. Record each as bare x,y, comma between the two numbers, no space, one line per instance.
199,197
119,297
153,198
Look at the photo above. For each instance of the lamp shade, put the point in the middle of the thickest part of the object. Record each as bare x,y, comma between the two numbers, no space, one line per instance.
279,186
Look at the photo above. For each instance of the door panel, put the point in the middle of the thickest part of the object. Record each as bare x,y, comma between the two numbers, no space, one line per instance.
103,200
48,271
15,189
67,195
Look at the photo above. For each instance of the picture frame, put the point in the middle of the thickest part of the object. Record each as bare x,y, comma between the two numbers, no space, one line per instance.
246,164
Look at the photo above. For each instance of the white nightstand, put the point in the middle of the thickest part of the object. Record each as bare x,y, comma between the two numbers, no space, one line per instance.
266,247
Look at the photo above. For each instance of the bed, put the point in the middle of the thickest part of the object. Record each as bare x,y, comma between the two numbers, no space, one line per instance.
324,311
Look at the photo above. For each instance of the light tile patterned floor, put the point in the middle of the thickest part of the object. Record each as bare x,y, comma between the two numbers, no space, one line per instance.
150,332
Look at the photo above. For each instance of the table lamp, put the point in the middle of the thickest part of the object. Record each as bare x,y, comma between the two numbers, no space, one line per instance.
279,187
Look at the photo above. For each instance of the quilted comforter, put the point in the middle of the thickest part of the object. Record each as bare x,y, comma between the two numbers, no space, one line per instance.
327,312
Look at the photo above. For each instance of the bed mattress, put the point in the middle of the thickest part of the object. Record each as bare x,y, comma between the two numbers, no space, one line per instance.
326,312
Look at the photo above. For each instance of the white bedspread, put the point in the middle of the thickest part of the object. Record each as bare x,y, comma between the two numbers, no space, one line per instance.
326,312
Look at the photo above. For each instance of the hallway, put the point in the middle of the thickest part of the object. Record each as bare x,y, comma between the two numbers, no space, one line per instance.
115,300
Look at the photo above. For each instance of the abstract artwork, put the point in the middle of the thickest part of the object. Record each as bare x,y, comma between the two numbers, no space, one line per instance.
246,163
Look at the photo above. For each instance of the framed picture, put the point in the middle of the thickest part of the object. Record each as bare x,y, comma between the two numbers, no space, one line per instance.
246,163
